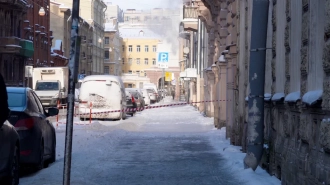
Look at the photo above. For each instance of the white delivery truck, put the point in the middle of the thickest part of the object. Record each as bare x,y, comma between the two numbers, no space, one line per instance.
51,84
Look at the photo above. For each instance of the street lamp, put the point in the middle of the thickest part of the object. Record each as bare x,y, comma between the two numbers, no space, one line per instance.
42,11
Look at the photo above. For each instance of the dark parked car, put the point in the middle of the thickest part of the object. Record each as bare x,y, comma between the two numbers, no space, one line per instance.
138,97
9,154
130,103
37,134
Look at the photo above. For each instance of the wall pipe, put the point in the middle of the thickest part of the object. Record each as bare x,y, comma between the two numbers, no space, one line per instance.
199,47
255,133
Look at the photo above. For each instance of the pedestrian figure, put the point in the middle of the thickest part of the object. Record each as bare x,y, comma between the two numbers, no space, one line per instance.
4,110
173,94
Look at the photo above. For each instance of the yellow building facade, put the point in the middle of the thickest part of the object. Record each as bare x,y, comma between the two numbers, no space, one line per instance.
138,55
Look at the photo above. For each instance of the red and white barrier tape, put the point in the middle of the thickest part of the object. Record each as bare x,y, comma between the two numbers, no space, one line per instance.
148,107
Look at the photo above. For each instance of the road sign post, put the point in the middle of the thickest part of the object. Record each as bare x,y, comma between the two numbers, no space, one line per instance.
162,61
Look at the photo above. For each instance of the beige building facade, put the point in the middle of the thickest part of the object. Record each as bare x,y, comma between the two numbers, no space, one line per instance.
93,12
60,22
296,99
113,48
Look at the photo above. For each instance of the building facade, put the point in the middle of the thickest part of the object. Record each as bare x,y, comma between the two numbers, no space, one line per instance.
296,99
113,48
15,48
93,13
113,11
139,50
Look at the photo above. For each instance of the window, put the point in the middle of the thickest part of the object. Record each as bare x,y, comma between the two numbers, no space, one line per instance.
138,72
106,40
106,70
126,18
123,59
138,61
129,71
130,61
138,48
106,54
123,47
146,61
153,61
130,48
130,85
146,48
154,48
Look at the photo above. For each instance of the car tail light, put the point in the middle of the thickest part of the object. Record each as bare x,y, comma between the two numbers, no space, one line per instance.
24,124
133,100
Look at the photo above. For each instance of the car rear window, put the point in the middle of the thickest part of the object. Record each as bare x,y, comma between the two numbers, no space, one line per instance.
16,99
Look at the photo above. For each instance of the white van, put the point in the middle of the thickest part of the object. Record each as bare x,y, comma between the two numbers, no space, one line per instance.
106,93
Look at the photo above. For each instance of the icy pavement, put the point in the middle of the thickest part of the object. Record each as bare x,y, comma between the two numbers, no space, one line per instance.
164,146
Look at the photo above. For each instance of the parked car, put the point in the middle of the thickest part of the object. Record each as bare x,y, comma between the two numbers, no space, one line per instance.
152,95
36,133
130,103
137,96
9,155
106,92
145,96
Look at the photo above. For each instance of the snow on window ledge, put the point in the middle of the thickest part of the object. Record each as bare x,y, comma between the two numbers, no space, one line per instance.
267,96
311,97
292,97
278,97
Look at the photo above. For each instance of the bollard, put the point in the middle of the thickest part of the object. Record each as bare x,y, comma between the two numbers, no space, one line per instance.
90,112
58,107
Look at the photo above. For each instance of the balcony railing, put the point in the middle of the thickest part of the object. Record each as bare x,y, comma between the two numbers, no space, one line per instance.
190,12
10,45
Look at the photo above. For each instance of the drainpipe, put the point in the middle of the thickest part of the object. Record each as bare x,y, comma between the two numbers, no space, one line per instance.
199,40
255,133
67,34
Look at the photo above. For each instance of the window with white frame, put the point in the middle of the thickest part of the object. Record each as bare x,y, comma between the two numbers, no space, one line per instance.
137,72
146,62
129,71
146,48
138,61
123,59
123,48
153,61
154,48
130,61
130,48
138,48
106,70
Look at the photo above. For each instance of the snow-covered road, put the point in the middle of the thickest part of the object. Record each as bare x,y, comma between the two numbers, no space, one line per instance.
171,145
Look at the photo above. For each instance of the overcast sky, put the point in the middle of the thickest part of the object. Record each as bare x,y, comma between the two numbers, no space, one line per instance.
144,4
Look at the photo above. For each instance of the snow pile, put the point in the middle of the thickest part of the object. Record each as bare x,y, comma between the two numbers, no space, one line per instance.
278,96
267,96
311,97
234,158
293,97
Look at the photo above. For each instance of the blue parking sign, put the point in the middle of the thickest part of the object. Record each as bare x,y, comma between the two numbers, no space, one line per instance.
163,57
81,76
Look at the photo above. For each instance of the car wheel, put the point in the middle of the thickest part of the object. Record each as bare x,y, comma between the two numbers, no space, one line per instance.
13,179
41,157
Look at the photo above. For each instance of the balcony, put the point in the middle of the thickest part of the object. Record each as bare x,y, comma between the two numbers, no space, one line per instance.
190,12
10,45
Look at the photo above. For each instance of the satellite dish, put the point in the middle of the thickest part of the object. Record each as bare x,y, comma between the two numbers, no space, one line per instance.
185,50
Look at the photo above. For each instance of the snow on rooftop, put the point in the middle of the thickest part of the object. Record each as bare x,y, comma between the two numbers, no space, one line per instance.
109,27
57,45
135,33
311,97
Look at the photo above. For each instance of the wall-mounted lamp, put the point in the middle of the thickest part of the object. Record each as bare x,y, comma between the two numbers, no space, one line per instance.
42,11
100,40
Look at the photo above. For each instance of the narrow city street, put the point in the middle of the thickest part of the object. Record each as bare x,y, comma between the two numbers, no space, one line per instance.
172,145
